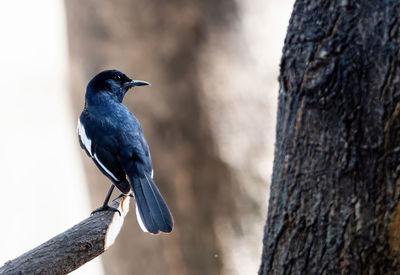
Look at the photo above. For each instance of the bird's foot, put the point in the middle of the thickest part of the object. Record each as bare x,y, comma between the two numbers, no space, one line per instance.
106,208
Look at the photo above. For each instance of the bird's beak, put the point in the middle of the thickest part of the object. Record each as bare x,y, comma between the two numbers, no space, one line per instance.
133,83
140,83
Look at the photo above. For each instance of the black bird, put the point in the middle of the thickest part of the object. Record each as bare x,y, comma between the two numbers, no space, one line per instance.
112,136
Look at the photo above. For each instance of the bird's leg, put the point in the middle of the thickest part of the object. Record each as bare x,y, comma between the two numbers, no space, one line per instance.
105,205
107,199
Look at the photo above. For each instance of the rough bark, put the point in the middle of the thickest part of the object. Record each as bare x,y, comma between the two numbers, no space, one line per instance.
74,247
334,202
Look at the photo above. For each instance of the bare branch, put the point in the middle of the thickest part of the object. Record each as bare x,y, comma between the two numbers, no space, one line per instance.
74,247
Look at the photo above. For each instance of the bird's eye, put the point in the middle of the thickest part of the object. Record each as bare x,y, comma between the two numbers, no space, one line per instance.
117,78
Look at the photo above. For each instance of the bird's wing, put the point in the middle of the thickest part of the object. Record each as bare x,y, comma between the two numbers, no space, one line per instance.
101,146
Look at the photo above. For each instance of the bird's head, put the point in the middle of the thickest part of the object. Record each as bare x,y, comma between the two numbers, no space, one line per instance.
110,85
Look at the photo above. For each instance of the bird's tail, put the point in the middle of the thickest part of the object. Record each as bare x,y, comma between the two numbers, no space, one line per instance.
151,210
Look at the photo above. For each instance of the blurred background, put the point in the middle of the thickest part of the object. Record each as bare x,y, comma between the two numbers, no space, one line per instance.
209,118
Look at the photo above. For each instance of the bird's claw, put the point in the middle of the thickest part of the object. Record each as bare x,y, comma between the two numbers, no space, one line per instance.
106,208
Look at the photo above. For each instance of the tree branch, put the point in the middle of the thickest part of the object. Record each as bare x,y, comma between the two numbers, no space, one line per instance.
74,247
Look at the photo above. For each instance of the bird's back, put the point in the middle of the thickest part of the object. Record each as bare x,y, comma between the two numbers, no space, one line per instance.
118,129
113,138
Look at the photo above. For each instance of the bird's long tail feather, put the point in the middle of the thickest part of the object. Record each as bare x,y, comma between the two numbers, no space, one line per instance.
152,212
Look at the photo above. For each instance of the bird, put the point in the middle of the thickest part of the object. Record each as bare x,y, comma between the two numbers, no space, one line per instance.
113,138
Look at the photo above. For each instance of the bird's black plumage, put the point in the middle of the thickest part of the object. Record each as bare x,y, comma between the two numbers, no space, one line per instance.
112,136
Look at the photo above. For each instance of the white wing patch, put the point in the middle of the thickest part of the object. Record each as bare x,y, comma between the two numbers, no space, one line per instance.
88,145
152,173
85,140
139,219
105,169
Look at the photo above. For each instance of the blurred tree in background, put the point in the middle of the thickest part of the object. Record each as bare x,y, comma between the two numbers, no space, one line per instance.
159,42
204,118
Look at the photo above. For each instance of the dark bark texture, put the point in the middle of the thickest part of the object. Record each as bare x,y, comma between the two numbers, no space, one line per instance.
334,203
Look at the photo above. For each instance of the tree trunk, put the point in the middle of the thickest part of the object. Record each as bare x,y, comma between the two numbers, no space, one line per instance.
334,204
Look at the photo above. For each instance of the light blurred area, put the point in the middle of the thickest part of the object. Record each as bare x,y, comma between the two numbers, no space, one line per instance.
209,118
44,189
239,71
